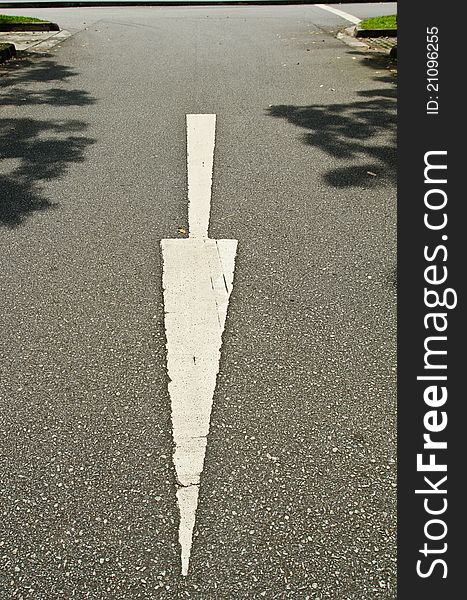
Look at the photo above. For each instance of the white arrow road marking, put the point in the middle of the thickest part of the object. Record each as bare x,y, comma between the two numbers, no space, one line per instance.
197,280
340,13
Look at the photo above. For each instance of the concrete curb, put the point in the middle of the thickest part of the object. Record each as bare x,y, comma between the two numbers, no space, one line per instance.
7,51
348,37
374,33
351,41
25,26
34,41
354,31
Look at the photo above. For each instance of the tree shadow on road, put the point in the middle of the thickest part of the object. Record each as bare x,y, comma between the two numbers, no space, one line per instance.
32,150
361,135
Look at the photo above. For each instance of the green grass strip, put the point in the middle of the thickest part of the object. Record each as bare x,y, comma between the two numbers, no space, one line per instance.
387,22
14,19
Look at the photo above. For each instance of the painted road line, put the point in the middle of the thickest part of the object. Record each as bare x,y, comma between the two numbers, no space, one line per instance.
200,132
340,13
197,280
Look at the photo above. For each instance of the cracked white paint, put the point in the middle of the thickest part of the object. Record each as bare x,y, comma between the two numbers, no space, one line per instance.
197,281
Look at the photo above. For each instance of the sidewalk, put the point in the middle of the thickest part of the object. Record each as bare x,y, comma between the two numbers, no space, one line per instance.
34,41
379,44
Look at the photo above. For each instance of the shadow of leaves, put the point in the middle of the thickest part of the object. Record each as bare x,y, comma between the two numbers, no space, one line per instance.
35,160
33,151
360,134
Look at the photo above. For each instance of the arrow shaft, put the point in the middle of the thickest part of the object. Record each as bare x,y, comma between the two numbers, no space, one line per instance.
200,158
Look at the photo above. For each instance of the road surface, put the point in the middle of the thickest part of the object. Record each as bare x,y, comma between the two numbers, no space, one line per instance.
297,492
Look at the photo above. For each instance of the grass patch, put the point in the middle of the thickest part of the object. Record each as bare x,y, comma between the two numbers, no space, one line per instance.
387,22
14,19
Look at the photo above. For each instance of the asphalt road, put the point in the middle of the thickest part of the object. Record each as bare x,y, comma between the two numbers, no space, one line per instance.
297,494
